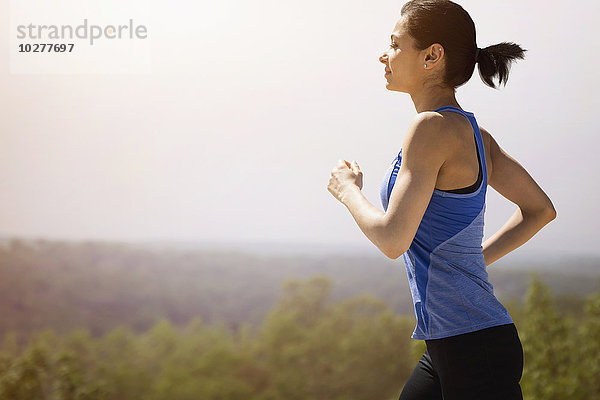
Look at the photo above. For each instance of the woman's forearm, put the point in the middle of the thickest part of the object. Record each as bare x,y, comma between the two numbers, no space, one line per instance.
369,219
519,228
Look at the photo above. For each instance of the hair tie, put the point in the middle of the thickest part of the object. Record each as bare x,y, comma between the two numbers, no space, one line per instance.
477,54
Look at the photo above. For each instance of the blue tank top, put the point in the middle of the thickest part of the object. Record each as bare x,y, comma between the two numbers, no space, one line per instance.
444,263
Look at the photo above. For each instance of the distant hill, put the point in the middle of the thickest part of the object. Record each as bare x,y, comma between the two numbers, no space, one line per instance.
99,285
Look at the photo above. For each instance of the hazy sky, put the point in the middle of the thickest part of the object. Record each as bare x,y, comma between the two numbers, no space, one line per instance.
248,106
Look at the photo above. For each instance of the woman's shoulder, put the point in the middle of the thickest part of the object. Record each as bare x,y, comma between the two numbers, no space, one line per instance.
430,124
448,130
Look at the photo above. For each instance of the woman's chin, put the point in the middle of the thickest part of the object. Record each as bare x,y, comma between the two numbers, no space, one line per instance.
391,88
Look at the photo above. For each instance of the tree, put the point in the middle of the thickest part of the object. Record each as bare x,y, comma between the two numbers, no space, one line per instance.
356,349
589,365
27,376
548,345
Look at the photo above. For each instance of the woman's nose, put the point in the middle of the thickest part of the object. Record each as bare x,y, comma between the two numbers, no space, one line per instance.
382,59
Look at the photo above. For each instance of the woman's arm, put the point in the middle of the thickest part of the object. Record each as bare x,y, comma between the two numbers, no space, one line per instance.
423,153
534,208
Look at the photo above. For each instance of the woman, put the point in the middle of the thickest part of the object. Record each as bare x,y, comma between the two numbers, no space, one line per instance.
433,195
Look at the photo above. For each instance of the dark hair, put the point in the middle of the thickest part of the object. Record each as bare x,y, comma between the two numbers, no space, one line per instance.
447,23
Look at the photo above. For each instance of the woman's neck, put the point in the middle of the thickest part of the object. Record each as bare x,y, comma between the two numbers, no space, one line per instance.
429,99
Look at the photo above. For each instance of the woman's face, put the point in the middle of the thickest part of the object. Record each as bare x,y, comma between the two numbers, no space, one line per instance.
403,63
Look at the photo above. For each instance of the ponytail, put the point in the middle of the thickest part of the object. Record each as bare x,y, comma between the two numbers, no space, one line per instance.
495,61
447,23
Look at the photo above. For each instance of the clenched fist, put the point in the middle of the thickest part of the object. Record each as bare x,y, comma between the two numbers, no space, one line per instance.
343,176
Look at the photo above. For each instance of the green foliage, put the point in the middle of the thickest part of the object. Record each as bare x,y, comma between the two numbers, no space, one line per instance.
25,379
355,349
309,347
589,350
561,353
547,347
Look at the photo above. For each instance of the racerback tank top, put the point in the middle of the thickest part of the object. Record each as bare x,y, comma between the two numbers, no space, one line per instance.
444,263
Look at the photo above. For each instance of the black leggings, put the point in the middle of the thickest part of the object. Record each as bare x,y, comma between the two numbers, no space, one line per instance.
483,365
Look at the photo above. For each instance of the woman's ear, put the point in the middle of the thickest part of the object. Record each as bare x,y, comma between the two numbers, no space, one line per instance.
435,53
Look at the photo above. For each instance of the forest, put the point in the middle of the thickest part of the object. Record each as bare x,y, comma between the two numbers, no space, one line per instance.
73,328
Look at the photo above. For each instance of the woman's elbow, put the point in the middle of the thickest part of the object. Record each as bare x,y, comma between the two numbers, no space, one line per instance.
394,252
550,212
543,214
395,240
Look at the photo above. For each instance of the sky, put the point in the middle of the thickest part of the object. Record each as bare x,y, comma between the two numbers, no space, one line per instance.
229,124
